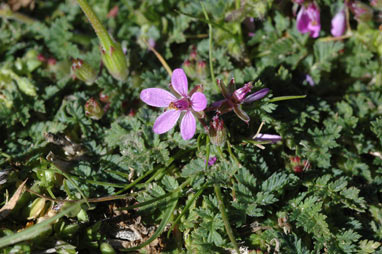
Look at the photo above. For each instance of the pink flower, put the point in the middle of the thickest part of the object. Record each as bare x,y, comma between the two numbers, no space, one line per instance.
181,102
308,20
339,24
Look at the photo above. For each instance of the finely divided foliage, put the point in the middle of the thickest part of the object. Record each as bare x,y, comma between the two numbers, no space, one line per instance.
278,147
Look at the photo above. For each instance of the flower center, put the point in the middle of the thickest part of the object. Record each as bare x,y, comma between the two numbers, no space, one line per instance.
181,104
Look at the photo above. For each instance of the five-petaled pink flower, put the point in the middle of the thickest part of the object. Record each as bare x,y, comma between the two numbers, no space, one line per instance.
180,103
308,20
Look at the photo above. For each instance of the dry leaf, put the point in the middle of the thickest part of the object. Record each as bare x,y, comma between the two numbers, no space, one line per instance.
8,207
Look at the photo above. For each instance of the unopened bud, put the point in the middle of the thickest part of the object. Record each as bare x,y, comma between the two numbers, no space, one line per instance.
83,71
217,131
104,97
36,208
201,69
189,69
361,11
193,53
93,109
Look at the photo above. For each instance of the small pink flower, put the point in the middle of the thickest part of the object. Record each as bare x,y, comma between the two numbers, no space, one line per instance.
339,24
181,102
308,20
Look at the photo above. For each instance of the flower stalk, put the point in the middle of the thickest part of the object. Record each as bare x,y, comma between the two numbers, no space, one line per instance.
111,51
225,217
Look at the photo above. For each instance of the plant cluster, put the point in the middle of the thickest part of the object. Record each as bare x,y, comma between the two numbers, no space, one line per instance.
278,148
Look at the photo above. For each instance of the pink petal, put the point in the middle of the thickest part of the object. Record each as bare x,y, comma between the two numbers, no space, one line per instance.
302,20
314,30
179,82
188,126
157,97
339,24
166,121
198,101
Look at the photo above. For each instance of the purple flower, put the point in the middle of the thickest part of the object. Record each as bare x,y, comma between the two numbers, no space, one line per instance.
361,11
234,98
268,137
181,102
308,20
212,161
310,80
339,24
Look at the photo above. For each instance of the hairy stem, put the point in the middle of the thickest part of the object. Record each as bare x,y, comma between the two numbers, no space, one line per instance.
100,30
225,218
210,45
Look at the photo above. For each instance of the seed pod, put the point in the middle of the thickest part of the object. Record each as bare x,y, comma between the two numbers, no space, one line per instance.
93,109
217,131
83,71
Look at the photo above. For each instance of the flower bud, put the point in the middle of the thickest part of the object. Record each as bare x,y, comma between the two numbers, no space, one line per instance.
36,208
83,71
189,68
104,97
361,11
201,69
193,53
217,132
93,109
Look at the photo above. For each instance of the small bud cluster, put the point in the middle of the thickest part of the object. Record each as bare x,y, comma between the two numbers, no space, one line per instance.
194,67
299,166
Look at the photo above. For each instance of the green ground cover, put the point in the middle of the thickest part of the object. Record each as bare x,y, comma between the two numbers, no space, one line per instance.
274,146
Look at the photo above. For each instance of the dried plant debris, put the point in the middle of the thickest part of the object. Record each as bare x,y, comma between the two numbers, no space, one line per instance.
17,4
